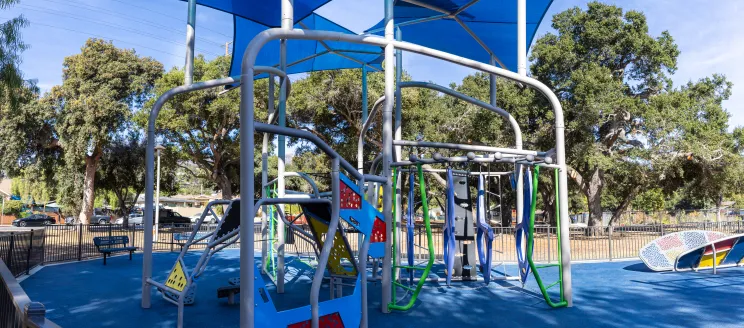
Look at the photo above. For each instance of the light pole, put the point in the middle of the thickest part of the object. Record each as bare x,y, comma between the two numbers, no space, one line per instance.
158,148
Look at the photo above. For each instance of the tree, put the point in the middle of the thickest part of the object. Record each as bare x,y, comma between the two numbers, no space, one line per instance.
122,172
604,67
101,86
204,125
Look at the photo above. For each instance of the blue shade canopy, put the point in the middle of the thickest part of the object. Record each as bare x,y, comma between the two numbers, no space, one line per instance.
493,22
264,12
305,55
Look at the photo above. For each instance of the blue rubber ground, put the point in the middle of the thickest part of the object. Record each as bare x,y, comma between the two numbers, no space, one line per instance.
616,294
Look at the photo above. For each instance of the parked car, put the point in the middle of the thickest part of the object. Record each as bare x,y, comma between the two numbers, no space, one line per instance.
34,220
98,218
208,219
166,217
133,219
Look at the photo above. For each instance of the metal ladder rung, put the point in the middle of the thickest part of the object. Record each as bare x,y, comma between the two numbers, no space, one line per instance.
553,284
404,286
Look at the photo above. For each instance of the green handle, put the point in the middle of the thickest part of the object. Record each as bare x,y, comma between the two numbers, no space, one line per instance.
531,240
429,240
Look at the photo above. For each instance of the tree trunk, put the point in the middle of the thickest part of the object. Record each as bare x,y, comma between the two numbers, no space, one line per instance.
719,202
594,197
89,189
624,204
223,182
121,198
548,196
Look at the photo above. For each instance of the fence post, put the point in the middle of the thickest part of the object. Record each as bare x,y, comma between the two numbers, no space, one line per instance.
28,253
662,228
80,242
171,243
43,246
549,242
109,230
609,235
10,251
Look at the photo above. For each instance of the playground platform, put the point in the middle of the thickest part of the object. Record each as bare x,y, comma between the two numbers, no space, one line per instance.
606,294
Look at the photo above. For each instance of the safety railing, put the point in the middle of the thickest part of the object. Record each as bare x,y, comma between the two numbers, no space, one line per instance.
16,309
24,250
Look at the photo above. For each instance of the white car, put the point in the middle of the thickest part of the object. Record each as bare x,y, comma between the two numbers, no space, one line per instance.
195,218
133,219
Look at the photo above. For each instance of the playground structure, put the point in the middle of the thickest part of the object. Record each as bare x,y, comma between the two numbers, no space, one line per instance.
379,230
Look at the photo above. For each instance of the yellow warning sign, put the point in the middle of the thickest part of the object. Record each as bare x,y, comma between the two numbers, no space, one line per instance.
177,279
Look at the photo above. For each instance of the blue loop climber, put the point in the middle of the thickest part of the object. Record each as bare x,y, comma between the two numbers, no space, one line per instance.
522,229
449,228
484,231
409,224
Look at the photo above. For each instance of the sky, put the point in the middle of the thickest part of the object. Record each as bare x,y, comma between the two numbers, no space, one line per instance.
706,32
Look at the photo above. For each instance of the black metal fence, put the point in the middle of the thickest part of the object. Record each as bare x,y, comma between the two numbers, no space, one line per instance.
24,250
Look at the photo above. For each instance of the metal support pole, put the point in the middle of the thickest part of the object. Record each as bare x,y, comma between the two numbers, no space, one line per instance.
327,245
398,149
287,22
493,84
265,176
157,196
522,37
387,156
364,94
247,210
190,41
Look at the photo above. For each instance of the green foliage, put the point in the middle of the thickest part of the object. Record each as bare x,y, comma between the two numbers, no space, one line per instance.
203,126
122,171
100,87
650,200
13,207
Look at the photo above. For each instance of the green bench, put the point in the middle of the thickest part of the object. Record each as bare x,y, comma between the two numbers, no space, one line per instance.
112,244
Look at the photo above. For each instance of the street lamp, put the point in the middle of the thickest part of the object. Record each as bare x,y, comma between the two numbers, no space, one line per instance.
158,148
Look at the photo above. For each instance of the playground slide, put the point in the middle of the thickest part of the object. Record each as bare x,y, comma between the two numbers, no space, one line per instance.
661,253
722,253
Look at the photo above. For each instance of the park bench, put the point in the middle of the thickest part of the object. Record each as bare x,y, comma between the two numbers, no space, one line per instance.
112,244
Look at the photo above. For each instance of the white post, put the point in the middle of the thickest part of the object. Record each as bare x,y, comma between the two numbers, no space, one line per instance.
190,40
157,196
387,156
522,70
287,23
522,37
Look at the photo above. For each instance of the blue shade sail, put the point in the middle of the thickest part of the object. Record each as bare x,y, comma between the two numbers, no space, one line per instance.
264,12
494,22
305,55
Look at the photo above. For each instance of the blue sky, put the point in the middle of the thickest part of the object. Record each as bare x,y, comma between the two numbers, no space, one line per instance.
707,33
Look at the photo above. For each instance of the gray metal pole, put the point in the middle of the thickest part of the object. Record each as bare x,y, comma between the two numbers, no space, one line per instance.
398,149
328,244
265,176
247,261
157,197
492,85
365,126
364,93
190,41
387,156
287,23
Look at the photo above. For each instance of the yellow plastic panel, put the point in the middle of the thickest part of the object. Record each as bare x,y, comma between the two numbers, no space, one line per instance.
177,278
707,260
339,251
